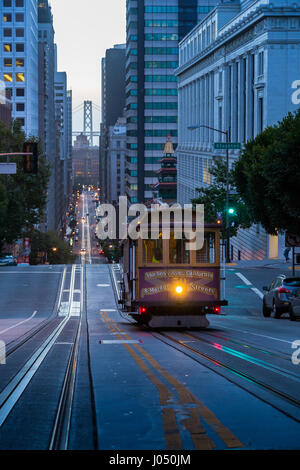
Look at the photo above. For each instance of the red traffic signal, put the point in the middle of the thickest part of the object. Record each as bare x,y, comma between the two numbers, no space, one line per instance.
30,162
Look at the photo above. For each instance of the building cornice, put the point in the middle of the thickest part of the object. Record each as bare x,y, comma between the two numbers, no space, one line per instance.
247,23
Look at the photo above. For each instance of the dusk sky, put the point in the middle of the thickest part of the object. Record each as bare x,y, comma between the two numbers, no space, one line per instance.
83,32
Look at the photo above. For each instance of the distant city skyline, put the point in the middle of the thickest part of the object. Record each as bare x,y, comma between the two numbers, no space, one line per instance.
83,32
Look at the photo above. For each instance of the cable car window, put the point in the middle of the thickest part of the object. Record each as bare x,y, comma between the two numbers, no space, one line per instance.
207,253
152,251
177,252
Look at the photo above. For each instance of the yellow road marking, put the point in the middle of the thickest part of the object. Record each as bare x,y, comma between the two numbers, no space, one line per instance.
171,432
186,397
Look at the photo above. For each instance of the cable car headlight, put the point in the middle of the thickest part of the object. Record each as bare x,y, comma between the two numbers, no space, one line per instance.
179,290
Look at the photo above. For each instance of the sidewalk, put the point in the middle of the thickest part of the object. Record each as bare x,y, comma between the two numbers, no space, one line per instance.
265,263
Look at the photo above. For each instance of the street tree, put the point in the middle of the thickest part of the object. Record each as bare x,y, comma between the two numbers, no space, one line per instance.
213,197
54,249
24,197
267,176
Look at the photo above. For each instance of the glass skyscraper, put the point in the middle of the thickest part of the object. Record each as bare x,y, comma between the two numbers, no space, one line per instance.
154,28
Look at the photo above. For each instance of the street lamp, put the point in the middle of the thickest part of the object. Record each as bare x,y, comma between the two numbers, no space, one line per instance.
226,133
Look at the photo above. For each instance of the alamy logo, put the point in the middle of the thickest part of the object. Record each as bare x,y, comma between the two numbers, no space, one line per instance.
296,94
296,354
138,222
2,353
2,92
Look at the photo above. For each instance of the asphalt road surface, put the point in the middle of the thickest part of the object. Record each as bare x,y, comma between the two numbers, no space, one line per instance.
79,374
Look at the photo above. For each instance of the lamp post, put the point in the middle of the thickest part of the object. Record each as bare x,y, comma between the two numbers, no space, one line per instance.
226,133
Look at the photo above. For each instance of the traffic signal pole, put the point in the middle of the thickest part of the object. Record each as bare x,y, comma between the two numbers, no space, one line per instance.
10,168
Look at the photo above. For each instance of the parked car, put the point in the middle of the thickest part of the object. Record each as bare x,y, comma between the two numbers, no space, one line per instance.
278,295
7,260
294,310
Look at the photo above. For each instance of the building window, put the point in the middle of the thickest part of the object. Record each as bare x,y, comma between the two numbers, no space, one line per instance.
7,18
8,62
20,107
8,77
20,32
20,77
20,17
20,92
7,3
19,47
20,62
260,115
213,30
7,47
7,32
220,120
220,82
261,63
19,3
21,121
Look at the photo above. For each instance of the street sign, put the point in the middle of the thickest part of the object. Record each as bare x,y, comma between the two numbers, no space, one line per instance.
292,240
8,168
228,145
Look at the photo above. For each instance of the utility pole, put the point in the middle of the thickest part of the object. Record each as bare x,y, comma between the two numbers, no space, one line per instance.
227,201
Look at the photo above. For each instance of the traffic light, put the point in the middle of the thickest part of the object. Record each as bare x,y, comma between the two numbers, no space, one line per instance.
231,211
30,162
219,218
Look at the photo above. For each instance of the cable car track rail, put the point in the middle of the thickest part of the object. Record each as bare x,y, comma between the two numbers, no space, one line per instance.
187,349
11,394
17,343
191,352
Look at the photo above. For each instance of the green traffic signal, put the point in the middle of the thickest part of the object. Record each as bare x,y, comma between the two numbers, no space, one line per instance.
231,211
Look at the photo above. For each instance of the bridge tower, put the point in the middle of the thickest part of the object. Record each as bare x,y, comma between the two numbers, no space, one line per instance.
88,121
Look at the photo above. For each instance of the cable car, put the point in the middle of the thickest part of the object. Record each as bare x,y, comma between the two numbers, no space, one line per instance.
166,285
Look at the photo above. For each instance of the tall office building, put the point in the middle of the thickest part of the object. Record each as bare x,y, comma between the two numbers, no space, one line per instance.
116,160
46,103
19,59
63,107
113,103
154,29
69,141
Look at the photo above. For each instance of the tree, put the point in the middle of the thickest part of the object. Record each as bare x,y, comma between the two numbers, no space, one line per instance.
214,199
25,195
267,176
55,250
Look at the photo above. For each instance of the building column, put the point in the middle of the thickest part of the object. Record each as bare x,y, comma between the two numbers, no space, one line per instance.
242,107
249,97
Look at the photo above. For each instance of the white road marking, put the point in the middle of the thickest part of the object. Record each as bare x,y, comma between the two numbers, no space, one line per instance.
20,323
248,283
260,294
103,285
108,310
244,279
